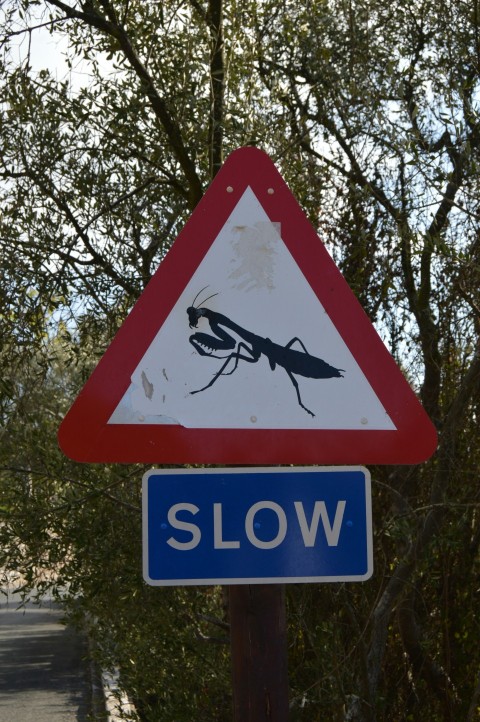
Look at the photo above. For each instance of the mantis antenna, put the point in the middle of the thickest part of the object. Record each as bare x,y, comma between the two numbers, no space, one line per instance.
205,300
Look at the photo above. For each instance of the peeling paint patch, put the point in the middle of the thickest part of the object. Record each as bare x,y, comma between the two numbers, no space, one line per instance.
147,386
255,250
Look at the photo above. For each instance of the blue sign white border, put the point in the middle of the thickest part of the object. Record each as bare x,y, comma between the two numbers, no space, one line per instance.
257,580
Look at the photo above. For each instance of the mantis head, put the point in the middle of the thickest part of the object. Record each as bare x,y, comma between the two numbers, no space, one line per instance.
193,316
194,312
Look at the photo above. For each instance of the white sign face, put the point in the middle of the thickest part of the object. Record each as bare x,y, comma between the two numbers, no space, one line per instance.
256,348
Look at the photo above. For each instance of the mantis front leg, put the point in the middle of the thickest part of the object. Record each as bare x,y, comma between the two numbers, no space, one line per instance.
236,356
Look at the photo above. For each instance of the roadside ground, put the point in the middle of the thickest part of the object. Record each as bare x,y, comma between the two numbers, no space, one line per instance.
46,674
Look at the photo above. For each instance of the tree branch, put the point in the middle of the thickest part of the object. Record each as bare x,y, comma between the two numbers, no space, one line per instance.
98,258
429,525
217,85
422,665
117,32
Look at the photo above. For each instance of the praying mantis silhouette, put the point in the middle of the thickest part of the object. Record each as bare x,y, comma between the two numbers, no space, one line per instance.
251,348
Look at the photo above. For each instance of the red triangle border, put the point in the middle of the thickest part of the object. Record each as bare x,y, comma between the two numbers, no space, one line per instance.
85,434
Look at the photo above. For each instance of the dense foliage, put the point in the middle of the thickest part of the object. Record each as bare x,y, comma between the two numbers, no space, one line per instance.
371,112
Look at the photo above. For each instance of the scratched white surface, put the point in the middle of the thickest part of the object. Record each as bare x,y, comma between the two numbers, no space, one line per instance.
260,287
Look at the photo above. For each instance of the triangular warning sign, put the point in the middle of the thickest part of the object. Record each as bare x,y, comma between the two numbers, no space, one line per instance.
247,347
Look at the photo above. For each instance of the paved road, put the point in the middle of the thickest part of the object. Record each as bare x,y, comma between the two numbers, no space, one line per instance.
43,671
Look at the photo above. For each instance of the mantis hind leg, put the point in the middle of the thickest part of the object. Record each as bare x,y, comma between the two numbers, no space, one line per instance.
297,389
298,340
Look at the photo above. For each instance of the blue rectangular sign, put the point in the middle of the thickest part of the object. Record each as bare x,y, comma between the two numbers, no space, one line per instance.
256,526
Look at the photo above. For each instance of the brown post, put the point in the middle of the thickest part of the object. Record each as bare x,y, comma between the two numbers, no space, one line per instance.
259,652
